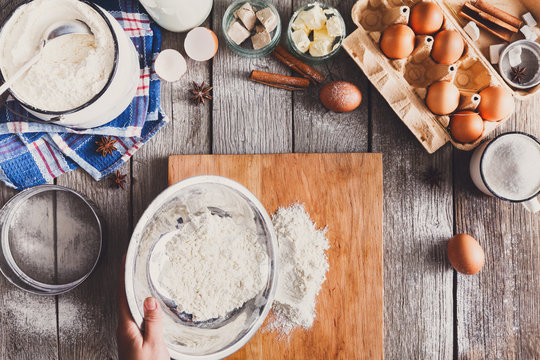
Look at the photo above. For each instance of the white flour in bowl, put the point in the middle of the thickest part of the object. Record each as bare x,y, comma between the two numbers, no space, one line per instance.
71,70
213,266
302,269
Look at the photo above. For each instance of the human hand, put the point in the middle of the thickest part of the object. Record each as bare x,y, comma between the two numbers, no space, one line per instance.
132,344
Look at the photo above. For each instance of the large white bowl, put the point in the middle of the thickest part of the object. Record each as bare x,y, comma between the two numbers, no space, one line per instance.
213,339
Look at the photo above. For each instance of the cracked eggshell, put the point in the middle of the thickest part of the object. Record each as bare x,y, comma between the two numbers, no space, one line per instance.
170,65
201,44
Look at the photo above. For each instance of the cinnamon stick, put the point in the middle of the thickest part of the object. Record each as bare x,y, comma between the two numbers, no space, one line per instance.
488,22
297,65
278,80
498,13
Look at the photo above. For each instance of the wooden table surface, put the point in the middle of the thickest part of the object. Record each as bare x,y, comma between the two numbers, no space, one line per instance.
430,312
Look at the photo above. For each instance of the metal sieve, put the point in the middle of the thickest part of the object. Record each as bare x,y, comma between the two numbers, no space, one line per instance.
51,239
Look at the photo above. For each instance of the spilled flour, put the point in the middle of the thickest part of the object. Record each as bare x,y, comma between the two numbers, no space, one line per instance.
302,269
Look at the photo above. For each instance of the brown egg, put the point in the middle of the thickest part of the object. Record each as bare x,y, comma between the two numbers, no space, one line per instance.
448,47
466,126
442,97
495,103
465,254
426,18
340,96
397,41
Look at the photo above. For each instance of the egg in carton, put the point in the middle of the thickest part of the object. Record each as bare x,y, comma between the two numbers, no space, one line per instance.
405,83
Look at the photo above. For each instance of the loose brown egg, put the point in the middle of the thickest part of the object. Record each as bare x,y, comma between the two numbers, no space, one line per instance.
448,47
495,103
442,97
426,18
397,41
465,254
466,126
340,96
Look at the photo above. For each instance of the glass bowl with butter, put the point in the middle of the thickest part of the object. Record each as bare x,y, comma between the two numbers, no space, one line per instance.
315,32
251,28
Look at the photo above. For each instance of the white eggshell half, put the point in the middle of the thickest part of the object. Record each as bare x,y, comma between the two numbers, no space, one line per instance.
201,44
170,65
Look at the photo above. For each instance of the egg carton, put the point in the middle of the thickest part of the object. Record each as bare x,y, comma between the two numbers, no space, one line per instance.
403,83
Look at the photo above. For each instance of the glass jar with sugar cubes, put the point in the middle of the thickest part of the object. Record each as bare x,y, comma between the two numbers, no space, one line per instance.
315,32
251,28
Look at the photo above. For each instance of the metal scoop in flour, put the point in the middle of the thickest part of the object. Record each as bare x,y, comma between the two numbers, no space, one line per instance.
157,252
57,29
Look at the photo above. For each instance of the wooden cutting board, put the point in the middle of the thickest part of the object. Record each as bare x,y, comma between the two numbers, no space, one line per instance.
343,191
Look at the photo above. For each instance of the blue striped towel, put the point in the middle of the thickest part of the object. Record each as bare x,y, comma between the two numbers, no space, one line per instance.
35,153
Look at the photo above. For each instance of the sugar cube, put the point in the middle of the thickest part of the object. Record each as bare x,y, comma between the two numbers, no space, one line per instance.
529,19
267,17
320,48
495,52
334,26
246,14
472,30
528,32
301,40
260,39
238,33
314,18
514,56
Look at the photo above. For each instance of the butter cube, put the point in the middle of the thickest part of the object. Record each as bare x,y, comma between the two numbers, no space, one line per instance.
495,52
238,33
322,34
298,24
267,17
300,40
320,48
261,39
529,19
246,14
330,12
334,26
314,18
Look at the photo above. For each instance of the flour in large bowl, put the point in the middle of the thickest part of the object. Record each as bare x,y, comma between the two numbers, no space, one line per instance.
72,69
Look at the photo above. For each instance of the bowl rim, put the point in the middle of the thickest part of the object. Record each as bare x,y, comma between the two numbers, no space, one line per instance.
135,241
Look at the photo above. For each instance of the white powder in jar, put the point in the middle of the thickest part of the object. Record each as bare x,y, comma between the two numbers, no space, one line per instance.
213,266
302,269
71,70
511,166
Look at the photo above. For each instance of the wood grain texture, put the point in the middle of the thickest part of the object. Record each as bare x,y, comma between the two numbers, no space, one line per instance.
344,192
317,129
418,314
248,117
497,311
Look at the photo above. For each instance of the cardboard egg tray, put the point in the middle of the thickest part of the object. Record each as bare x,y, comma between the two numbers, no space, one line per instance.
403,83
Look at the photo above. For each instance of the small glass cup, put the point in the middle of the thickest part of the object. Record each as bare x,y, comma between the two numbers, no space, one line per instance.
338,41
245,49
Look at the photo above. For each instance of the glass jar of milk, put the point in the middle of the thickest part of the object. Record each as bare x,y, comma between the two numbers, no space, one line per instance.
178,15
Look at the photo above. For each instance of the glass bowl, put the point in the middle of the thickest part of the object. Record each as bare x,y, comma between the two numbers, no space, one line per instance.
216,338
338,41
246,49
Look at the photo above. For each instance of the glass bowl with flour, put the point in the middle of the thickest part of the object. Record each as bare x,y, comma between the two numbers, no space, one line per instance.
207,250
80,80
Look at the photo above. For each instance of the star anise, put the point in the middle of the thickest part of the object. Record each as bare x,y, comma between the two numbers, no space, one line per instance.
200,93
106,145
432,176
518,73
119,180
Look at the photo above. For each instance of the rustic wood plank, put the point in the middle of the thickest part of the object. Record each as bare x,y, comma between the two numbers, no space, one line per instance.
87,314
497,310
418,301
248,117
317,129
